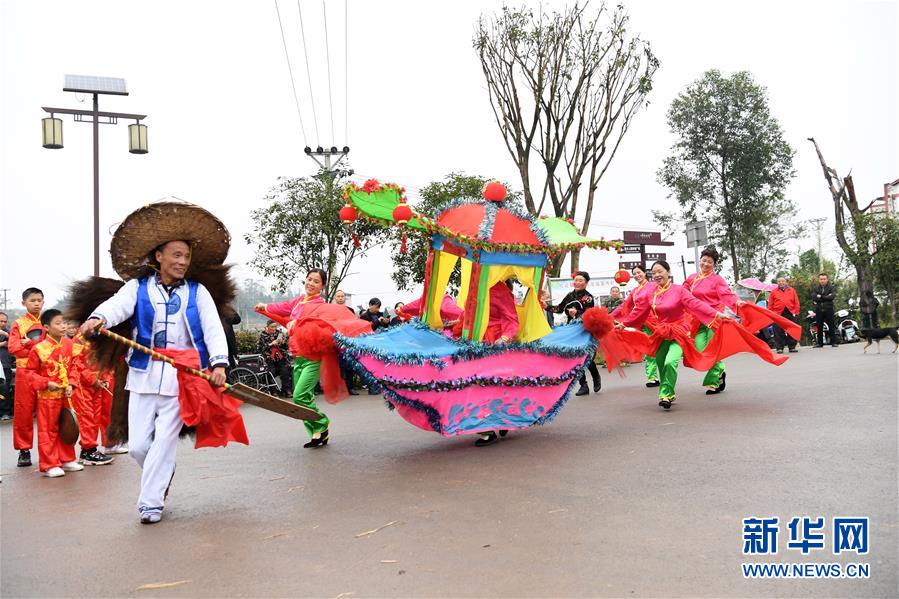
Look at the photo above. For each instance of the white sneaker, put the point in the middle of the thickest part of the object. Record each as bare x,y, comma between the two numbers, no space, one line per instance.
72,466
117,448
54,472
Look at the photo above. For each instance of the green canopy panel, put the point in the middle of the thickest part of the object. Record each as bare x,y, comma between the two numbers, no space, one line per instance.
378,202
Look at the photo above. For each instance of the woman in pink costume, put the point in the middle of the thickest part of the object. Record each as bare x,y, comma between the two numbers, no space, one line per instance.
664,314
640,295
709,287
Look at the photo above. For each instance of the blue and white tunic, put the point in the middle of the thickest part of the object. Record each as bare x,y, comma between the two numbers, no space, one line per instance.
187,318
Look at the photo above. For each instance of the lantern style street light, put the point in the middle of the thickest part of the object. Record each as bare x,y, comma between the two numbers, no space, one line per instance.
52,131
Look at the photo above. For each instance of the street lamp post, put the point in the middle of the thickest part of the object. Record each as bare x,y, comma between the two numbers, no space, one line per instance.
137,133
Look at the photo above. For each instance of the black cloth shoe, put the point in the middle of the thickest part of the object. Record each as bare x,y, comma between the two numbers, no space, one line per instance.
486,439
319,442
584,390
779,350
655,383
817,346
597,384
793,350
353,392
24,458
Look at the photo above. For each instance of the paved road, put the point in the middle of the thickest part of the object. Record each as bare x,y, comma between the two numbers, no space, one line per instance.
614,498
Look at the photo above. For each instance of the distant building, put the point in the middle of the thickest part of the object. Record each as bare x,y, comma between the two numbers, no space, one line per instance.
888,205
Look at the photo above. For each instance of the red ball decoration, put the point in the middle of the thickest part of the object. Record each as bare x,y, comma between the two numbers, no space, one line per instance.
347,214
494,191
622,277
402,213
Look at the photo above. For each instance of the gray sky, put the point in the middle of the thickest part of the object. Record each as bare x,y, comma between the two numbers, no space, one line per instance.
223,125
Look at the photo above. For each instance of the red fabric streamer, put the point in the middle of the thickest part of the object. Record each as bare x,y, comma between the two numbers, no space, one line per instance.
403,249
215,416
755,318
730,338
312,337
356,243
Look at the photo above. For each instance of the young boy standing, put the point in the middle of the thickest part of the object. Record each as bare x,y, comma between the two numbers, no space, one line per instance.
88,396
26,332
50,365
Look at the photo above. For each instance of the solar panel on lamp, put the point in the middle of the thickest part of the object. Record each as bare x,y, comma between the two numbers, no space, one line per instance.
95,85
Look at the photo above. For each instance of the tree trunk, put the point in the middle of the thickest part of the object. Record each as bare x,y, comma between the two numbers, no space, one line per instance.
575,260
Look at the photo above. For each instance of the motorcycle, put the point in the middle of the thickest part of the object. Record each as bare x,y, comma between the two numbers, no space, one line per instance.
847,328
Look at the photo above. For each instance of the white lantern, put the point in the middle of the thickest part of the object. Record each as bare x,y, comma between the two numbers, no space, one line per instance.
137,139
52,129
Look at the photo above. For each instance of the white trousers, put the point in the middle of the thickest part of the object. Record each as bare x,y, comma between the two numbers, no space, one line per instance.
154,422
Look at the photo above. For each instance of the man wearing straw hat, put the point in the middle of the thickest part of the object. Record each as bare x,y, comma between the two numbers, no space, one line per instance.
157,250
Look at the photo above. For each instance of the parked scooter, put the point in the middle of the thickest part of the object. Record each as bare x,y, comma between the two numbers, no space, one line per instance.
847,328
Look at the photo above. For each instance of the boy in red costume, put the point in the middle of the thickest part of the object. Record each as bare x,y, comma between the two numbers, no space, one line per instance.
50,366
26,332
88,396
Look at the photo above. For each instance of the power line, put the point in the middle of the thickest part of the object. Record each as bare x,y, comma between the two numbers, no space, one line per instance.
346,73
308,73
290,71
328,60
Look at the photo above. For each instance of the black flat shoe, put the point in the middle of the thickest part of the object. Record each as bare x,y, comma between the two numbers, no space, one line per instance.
353,392
665,404
486,439
722,382
24,458
714,391
584,390
597,384
319,442
653,383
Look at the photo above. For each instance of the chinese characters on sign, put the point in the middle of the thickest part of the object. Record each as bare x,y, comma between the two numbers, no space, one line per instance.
849,535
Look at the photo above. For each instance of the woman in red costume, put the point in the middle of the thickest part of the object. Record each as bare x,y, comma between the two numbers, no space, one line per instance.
640,295
306,372
709,287
664,314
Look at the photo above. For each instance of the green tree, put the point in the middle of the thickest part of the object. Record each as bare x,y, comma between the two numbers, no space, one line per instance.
409,268
564,88
886,257
729,167
300,229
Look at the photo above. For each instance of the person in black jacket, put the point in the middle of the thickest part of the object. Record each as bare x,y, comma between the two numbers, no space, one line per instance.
823,295
574,305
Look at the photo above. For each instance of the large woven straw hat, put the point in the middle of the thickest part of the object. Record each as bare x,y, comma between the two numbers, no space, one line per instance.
155,224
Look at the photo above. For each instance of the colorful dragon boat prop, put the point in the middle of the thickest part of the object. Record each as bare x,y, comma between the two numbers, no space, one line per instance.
461,385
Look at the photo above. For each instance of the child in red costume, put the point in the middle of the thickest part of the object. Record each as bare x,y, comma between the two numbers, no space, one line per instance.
88,399
26,332
50,366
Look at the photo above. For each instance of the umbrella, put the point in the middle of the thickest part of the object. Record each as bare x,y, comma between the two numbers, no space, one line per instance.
756,285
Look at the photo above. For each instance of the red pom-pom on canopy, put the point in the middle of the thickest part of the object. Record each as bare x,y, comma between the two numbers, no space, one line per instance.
598,322
347,214
494,191
622,277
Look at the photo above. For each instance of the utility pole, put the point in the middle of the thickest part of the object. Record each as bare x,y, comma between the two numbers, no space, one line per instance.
4,296
819,222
